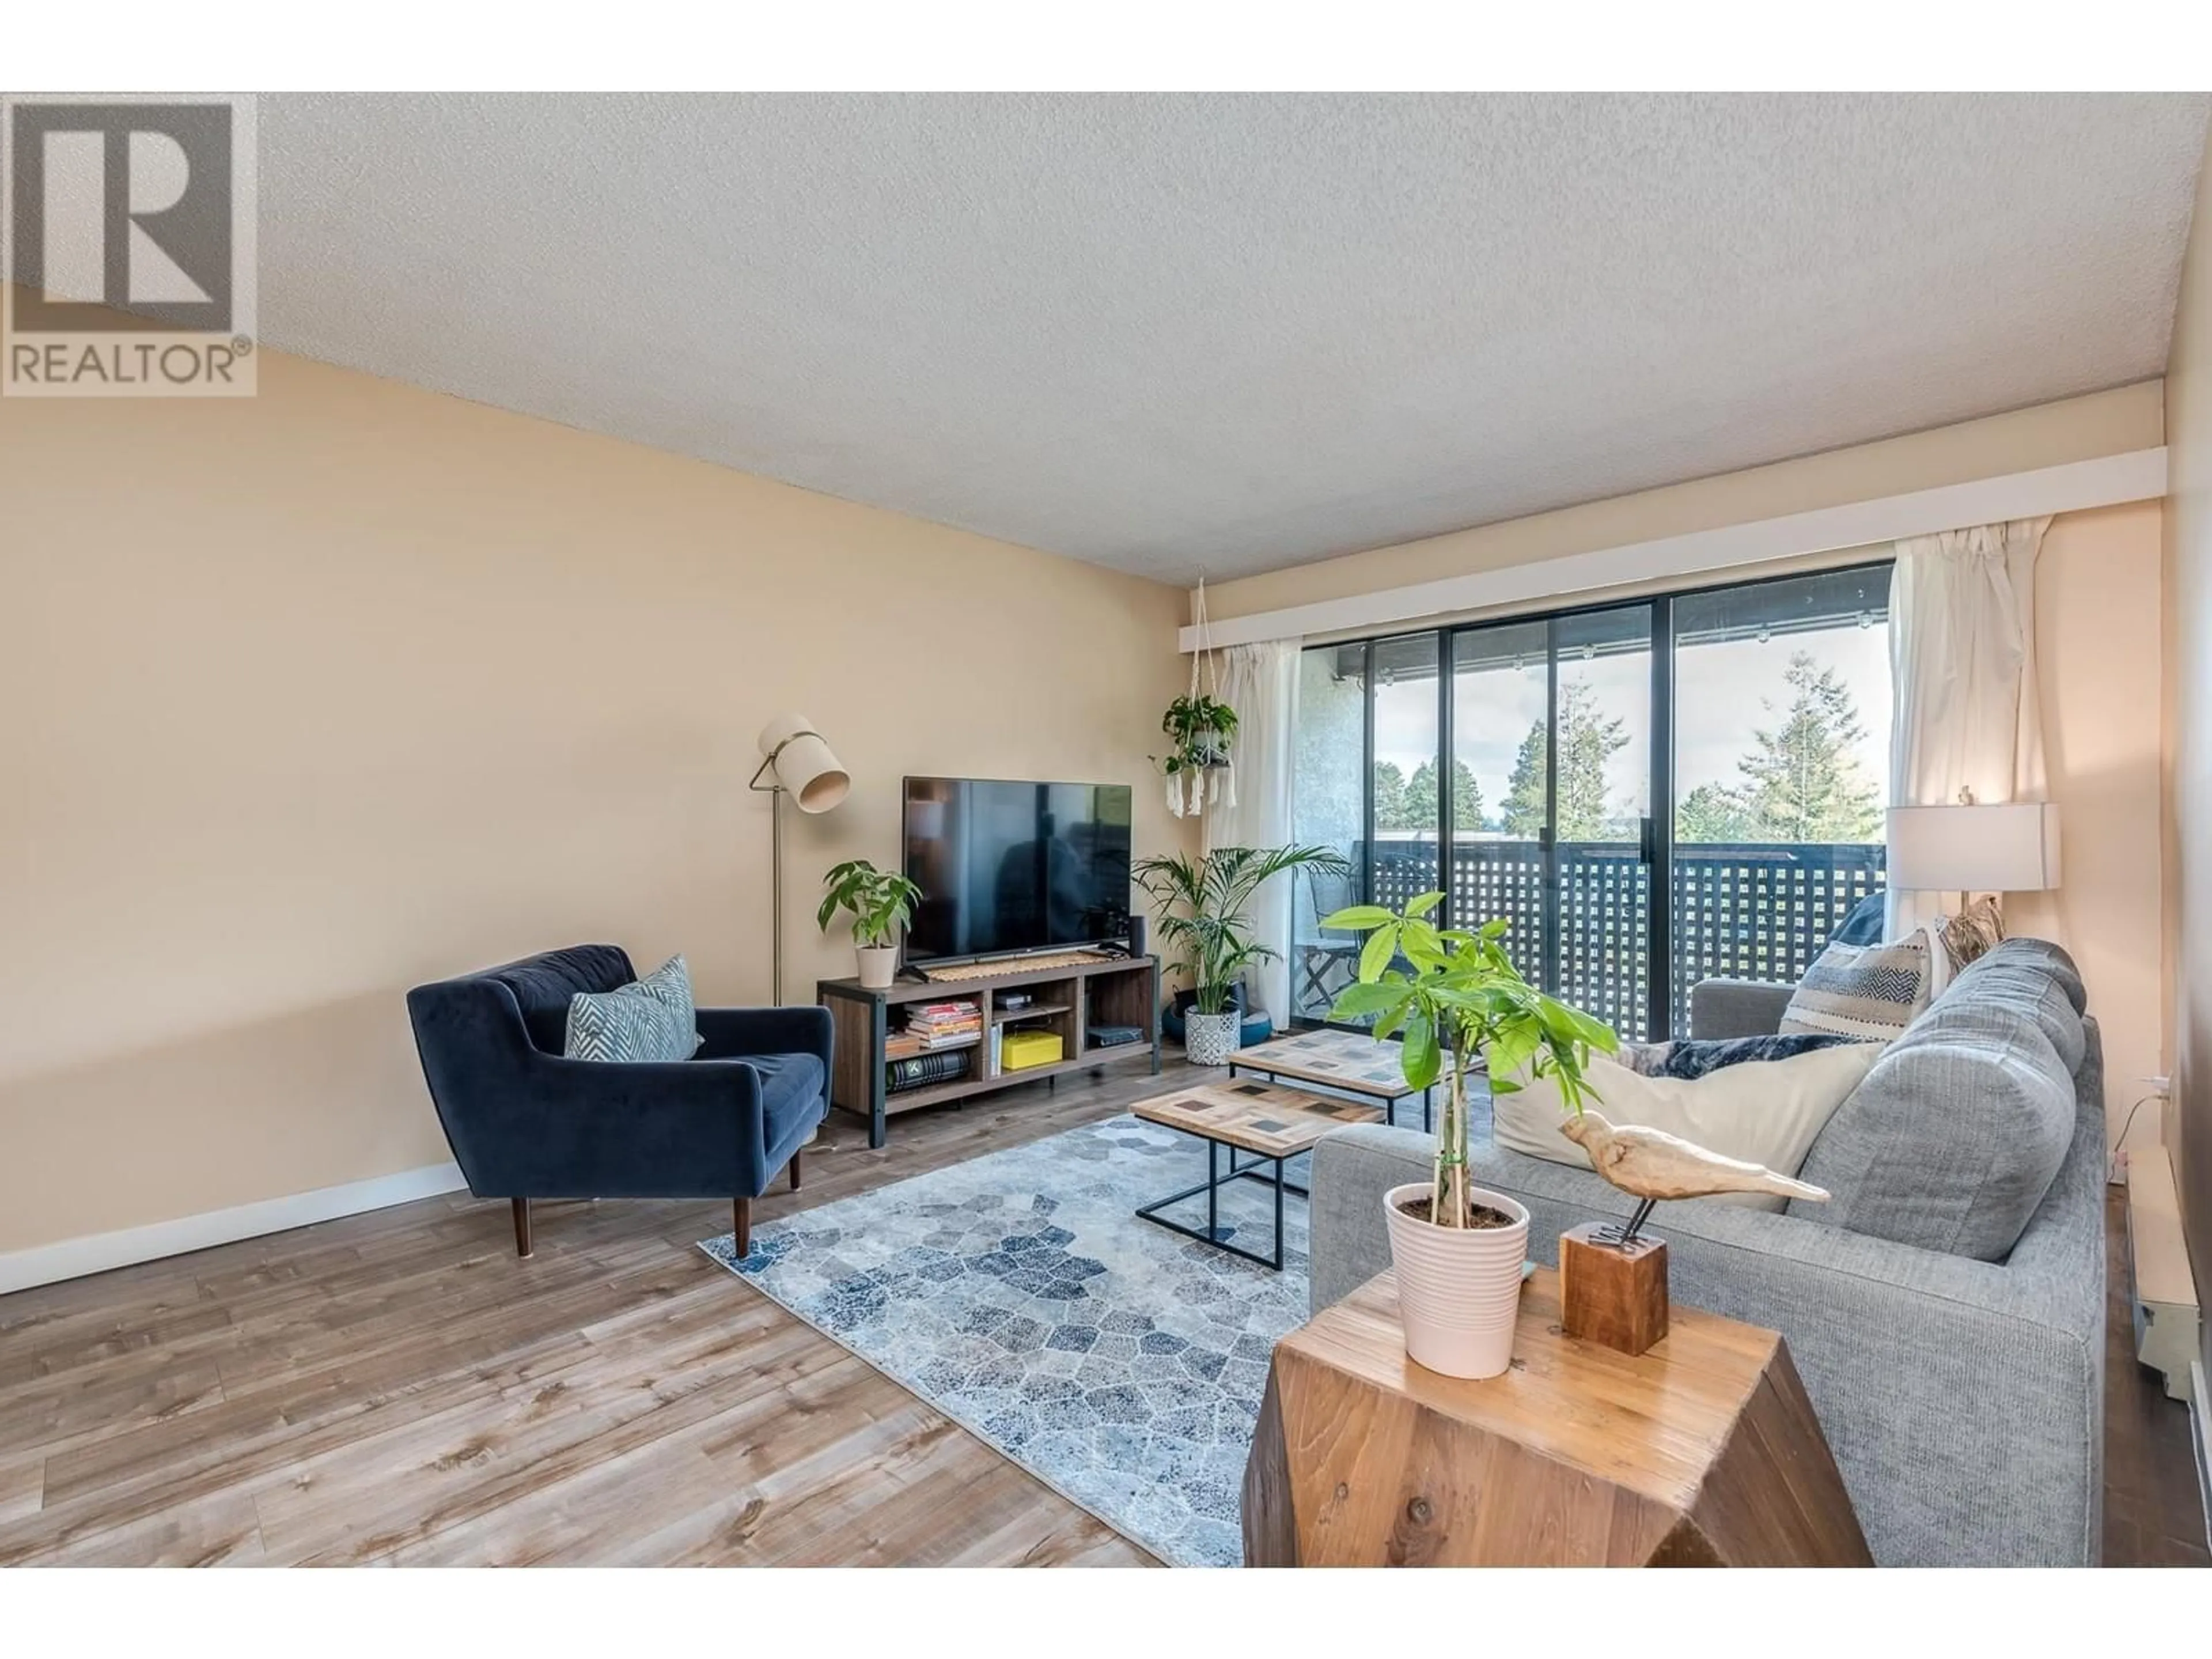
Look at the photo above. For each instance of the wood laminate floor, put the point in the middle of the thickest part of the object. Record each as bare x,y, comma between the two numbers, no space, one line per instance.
398,1388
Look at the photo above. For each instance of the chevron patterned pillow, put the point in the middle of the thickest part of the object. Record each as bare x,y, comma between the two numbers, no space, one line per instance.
1868,992
651,1018
671,983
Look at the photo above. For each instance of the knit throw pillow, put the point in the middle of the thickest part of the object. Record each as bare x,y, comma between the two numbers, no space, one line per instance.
1869,992
650,1019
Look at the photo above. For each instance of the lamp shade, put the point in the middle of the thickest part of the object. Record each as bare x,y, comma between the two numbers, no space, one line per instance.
803,763
2010,848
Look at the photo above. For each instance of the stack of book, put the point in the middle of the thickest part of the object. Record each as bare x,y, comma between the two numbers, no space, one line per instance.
944,1025
920,1055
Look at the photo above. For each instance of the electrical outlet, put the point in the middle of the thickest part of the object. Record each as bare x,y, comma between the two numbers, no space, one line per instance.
2160,1087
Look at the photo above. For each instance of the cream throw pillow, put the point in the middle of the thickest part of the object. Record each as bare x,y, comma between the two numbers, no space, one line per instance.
1765,1111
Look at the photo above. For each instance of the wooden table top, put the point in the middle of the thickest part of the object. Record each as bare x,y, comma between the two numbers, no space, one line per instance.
1652,1422
1253,1117
1703,1450
1351,1061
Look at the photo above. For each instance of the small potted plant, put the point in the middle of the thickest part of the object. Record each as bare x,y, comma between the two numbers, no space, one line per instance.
1458,1247
1202,905
881,904
1203,728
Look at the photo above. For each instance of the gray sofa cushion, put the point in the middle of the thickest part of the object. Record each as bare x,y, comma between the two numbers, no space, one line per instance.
1725,1008
1956,1136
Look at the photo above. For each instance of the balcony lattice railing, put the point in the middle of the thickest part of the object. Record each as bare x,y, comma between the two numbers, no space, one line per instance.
1757,911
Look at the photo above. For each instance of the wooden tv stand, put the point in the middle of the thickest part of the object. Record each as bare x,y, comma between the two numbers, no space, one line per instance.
1072,991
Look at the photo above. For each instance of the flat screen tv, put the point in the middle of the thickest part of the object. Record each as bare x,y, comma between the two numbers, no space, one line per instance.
1015,866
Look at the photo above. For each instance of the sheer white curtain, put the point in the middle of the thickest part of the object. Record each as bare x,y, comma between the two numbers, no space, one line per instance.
1962,667
1261,682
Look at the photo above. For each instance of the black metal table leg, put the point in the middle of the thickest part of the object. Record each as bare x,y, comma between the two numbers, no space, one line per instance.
1213,1232
1213,1190
1253,1171
1278,1215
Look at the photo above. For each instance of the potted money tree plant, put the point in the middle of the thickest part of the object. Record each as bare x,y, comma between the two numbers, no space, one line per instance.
1456,1002
881,904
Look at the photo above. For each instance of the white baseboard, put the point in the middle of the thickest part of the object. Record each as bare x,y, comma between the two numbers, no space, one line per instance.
73,1258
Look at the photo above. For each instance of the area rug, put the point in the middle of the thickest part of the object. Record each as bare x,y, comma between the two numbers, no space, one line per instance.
1119,1363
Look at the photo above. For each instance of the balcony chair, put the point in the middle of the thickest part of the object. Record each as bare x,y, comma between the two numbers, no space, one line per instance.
1328,958
523,1122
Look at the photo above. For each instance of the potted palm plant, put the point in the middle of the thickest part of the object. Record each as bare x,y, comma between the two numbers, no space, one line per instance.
1458,1001
1202,905
881,904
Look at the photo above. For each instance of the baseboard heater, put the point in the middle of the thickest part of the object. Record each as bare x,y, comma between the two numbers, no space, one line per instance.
2167,1318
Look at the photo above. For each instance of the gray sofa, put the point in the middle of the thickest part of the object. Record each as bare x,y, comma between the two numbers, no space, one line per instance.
1964,1397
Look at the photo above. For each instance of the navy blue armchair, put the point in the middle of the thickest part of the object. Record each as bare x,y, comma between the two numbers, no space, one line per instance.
523,1122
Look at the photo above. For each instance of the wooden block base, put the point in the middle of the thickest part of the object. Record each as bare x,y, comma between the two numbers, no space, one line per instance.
1706,1455
1612,1295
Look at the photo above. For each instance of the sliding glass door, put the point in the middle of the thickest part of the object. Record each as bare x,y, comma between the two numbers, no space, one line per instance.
1781,718
1650,793
1552,747
1501,697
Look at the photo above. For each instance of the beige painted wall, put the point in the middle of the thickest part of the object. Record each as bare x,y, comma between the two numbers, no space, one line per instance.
2050,434
2189,701
2098,658
314,696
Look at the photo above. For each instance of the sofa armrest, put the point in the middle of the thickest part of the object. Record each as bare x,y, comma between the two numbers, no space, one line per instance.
1963,1399
580,1128
733,1033
1737,1007
1352,1167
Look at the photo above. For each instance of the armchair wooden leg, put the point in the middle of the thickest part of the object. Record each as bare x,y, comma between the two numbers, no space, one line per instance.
794,1172
742,1211
522,1246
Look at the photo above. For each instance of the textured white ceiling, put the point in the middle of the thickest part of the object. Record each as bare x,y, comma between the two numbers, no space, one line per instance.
1184,334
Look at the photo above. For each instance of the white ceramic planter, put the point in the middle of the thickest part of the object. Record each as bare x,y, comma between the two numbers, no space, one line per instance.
1459,1289
879,966
1209,1039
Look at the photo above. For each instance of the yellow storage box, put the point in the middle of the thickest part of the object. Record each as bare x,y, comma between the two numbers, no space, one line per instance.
1019,1050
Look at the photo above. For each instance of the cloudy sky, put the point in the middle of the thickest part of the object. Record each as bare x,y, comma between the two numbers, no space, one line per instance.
1723,694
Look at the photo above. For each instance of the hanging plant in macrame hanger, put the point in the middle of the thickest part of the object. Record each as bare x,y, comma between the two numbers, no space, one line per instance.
1200,766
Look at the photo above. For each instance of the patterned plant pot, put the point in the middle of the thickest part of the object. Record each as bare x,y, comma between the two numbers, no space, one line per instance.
1459,1289
1209,1039
879,966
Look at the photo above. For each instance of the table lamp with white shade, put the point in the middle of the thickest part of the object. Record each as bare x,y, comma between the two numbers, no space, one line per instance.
798,763
1968,848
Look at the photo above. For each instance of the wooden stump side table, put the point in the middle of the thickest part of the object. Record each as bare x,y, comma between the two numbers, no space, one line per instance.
1702,1451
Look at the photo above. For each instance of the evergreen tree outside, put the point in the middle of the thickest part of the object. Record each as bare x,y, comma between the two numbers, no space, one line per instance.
1421,806
1801,782
1713,813
1523,813
1390,799
1587,741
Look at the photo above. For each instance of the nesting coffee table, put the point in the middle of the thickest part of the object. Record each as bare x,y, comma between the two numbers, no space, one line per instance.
1272,1123
1351,1062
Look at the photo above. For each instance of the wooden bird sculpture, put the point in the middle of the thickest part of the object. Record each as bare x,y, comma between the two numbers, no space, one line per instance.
1652,1164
